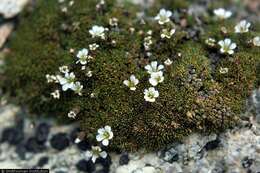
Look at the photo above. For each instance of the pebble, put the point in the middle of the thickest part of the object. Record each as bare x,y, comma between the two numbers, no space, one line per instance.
246,162
84,145
43,161
171,155
105,162
42,132
21,151
12,136
74,134
211,145
124,159
10,8
60,141
32,145
86,166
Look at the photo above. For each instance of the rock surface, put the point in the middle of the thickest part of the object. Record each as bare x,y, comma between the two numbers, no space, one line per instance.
10,8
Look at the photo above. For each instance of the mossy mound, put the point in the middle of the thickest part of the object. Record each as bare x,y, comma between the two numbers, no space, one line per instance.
194,96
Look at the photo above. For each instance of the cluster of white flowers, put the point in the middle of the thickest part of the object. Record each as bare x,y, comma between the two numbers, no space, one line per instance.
68,81
221,13
226,45
104,135
156,77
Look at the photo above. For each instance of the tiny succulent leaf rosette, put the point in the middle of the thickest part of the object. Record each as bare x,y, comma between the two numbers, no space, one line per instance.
168,62
132,82
242,27
51,78
221,13
150,94
167,33
97,31
72,114
156,78
104,135
56,94
163,16
95,153
153,67
227,47
64,69
93,46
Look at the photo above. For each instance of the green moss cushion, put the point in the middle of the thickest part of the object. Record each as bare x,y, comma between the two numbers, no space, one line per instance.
195,95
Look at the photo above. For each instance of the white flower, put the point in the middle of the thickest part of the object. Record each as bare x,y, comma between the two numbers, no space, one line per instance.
71,3
77,88
222,13
97,31
163,16
93,46
153,67
64,69
56,94
168,62
167,34
51,78
242,27
223,70
104,134
256,41
67,81
95,153
150,94
156,78
132,82
227,46
72,114
83,57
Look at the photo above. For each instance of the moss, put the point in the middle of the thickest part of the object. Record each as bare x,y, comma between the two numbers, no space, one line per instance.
194,97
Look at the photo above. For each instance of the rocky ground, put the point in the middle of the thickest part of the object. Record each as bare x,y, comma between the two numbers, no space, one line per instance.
31,143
